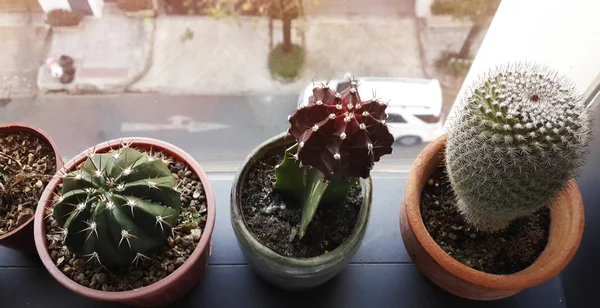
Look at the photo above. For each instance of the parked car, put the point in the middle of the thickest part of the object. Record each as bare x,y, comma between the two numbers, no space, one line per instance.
414,105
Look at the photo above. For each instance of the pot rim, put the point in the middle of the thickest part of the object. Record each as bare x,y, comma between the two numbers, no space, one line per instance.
142,142
333,256
538,272
18,127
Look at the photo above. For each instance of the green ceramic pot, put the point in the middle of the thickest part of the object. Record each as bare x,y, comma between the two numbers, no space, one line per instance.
288,272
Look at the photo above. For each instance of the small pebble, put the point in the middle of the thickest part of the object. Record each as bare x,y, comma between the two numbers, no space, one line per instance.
196,233
196,195
430,182
452,236
293,234
78,264
472,235
135,275
100,278
67,269
187,241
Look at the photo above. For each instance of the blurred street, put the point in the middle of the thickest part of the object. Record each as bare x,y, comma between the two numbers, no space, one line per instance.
218,131
204,84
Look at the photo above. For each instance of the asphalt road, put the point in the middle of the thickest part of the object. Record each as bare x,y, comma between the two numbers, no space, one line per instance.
219,131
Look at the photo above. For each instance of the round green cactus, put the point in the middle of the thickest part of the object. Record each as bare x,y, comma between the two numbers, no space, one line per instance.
118,206
519,136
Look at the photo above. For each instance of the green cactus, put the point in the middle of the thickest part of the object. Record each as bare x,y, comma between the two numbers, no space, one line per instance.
308,185
117,207
517,140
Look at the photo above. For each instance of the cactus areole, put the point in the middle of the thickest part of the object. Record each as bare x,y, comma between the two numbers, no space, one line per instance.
339,138
117,207
519,137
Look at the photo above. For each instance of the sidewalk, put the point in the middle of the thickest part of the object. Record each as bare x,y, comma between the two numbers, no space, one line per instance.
222,58
22,51
110,53
437,35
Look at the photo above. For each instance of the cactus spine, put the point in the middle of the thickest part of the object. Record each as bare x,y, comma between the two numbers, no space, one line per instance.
118,206
517,140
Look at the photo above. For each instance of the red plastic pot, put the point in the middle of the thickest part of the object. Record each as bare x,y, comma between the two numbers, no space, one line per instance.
21,238
169,288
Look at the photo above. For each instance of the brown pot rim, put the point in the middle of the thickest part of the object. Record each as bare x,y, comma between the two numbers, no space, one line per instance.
538,272
120,296
17,127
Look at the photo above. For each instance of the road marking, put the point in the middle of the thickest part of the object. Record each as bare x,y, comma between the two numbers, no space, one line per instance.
176,122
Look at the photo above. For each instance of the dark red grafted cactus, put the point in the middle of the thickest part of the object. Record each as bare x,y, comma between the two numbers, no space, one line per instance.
339,134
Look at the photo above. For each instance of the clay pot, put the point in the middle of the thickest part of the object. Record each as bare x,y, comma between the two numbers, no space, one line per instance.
566,229
164,291
21,238
287,272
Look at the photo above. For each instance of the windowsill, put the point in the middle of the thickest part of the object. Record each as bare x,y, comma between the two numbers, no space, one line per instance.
381,274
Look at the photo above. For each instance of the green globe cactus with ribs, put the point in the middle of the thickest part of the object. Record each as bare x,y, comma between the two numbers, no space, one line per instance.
339,137
117,207
518,138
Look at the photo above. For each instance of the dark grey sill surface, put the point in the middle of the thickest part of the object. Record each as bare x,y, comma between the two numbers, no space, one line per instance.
381,273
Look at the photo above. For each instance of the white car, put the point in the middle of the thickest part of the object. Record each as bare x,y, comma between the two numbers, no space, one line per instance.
414,105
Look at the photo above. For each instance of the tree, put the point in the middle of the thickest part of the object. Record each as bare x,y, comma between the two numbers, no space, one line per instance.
479,12
285,10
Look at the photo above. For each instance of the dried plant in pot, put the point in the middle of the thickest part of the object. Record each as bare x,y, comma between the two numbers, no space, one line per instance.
137,8
492,207
300,204
128,220
28,161
63,18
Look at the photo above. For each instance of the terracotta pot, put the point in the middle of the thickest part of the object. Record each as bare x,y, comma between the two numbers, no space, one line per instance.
21,238
164,291
287,272
566,229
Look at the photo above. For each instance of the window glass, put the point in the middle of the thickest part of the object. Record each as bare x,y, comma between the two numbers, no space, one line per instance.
395,118
219,77
427,118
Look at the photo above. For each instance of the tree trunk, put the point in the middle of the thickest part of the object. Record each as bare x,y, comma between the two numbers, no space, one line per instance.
466,47
270,33
287,34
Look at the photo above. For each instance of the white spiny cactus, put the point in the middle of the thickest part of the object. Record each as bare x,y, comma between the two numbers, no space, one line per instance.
519,136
